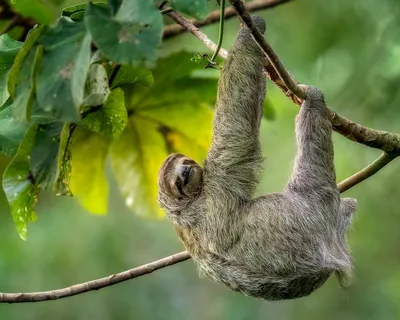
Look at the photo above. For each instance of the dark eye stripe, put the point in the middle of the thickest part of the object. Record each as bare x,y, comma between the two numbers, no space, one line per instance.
178,184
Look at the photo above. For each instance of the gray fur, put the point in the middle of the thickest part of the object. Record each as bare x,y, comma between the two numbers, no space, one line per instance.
278,246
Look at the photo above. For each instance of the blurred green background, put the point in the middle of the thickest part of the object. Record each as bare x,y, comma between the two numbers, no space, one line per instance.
348,48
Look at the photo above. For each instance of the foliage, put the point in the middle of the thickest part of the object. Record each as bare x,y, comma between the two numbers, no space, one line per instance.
91,86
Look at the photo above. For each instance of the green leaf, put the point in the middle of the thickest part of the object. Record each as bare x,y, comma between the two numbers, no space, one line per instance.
11,132
161,122
35,9
64,69
97,90
191,108
44,162
131,75
61,184
135,159
110,120
88,181
19,186
127,39
174,74
8,50
81,69
69,11
114,6
25,50
196,8
77,12
25,85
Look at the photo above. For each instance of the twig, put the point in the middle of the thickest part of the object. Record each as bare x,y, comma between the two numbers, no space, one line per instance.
245,17
365,173
176,29
388,142
94,284
197,33
97,284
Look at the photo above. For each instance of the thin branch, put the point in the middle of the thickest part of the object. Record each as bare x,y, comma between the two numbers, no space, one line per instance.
365,173
245,17
94,284
388,142
98,284
197,33
176,29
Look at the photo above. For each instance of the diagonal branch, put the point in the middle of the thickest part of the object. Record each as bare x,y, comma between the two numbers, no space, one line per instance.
245,17
388,142
97,284
365,173
94,284
256,5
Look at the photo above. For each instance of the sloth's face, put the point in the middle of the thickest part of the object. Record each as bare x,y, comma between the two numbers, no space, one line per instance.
180,178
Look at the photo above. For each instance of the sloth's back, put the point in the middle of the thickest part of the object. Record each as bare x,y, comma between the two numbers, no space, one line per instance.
281,252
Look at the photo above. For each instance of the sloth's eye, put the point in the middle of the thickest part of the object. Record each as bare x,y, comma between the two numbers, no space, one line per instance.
185,171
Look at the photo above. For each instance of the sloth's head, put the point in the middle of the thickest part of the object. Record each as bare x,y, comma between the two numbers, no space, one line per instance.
179,181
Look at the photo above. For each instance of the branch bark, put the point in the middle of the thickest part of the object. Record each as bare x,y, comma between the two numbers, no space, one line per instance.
256,5
365,173
94,284
388,142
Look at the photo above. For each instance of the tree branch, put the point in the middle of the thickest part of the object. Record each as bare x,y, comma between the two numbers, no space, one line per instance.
94,284
388,142
365,173
197,33
245,17
256,5
98,284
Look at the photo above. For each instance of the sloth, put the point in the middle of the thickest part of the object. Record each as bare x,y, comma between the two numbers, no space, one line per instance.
278,246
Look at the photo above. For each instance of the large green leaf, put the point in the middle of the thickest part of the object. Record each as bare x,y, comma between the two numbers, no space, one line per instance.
88,181
131,75
135,158
127,39
44,155
11,132
26,48
81,69
162,121
20,187
65,63
110,120
61,183
8,50
21,81
195,8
